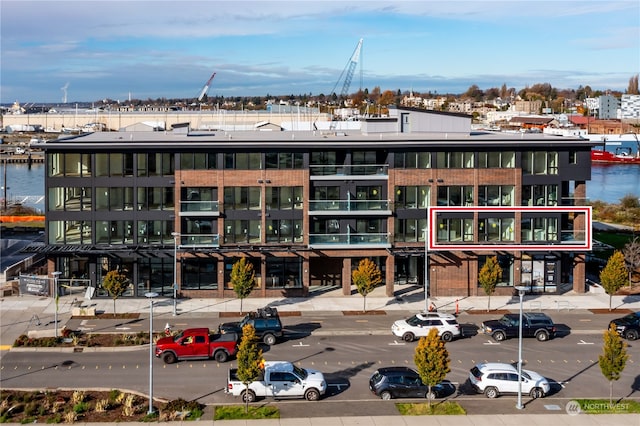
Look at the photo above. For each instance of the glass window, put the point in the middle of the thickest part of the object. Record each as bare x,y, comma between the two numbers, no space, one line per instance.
494,195
496,229
455,195
243,198
539,229
199,273
242,231
454,160
540,163
500,159
284,231
283,272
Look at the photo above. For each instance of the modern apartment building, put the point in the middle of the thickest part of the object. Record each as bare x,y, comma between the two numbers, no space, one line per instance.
304,207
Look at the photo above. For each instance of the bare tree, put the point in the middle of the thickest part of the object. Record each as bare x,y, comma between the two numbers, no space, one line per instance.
631,252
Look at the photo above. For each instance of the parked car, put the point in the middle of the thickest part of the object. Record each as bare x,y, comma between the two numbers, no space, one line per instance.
197,343
405,382
279,379
496,378
534,324
265,321
628,326
420,324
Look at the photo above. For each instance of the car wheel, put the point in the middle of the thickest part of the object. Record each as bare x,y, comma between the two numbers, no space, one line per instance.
169,358
447,336
408,337
220,356
269,339
312,395
542,336
631,334
536,393
385,395
499,336
431,395
491,392
248,396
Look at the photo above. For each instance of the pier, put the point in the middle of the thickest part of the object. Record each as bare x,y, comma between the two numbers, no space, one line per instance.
30,158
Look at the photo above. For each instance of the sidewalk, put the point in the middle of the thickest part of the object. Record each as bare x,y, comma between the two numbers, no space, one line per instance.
19,314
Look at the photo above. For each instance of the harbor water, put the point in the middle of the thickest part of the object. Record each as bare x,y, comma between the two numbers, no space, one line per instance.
609,183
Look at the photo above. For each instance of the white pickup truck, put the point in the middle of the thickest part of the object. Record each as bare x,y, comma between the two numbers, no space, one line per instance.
280,379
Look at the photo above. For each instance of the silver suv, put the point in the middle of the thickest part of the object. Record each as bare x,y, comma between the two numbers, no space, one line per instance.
495,378
419,326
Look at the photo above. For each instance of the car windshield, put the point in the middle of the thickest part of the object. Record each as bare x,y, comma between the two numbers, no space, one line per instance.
178,336
508,321
414,320
301,372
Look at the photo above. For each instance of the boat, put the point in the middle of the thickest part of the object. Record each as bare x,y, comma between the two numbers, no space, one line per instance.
621,154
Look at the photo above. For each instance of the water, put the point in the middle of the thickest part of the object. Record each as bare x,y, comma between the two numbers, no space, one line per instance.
609,183
23,181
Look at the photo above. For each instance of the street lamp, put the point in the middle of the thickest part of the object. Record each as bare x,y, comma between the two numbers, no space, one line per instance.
150,296
426,268
56,274
519,405
176,235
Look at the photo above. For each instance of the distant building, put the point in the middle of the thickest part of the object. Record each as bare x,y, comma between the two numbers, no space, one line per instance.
608,107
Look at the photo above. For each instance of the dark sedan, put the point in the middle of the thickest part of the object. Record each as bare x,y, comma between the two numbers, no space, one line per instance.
628,326
404,382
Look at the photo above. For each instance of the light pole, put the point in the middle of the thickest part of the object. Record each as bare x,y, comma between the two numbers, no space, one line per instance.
176,235
150,296
519,405
55,274
426,268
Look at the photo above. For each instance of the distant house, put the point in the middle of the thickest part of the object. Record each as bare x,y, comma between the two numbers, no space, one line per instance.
529,123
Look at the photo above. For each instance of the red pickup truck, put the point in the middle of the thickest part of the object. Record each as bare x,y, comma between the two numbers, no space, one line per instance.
197,343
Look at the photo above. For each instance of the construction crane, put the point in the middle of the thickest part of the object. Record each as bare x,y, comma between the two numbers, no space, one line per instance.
205,89
349,69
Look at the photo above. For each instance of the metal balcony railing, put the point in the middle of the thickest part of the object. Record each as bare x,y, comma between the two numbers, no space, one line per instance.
199,240
378,171
369,239
199,208
373,206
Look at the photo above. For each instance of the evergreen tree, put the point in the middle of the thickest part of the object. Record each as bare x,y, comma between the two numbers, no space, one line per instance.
366,278
243,279
614,275
614,357
490,274
116,284
249,358
432,361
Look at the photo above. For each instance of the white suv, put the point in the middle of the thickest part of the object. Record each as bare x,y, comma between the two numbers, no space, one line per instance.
419,326
495,378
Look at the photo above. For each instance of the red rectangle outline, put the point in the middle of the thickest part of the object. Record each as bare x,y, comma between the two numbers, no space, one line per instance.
432,212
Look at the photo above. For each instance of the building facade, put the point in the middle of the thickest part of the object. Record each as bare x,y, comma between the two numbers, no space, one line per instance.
305,207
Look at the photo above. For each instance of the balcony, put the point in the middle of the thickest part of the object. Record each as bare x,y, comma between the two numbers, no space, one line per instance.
359,172
349,241
199,241
199,208
349,207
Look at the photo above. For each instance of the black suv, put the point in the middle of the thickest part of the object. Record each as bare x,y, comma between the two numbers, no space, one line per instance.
265,321
404,382
628,326
534,324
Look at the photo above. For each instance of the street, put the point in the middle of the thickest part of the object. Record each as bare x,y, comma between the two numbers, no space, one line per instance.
348,356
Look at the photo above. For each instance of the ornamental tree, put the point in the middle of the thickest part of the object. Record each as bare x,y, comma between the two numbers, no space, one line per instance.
488,278
116,284
249,359
432,361
366,278
614,275
614,357
243,279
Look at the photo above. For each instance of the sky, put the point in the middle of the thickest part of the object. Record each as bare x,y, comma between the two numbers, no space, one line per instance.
91,50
